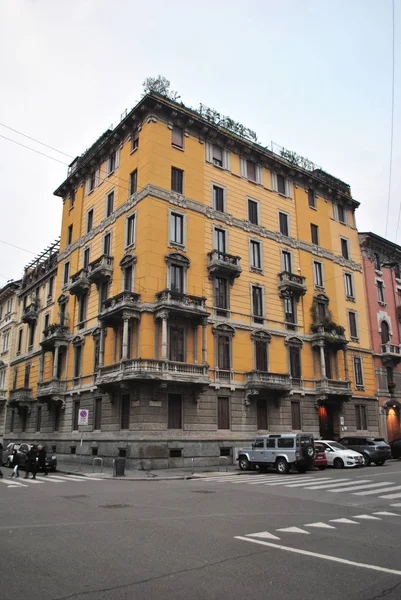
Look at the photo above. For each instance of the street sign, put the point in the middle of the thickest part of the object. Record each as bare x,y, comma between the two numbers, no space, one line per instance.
83,416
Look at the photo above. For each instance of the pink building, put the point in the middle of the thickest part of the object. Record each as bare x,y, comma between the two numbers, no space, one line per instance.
381,262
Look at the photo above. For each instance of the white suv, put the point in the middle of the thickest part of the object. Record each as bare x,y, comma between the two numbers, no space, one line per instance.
339,456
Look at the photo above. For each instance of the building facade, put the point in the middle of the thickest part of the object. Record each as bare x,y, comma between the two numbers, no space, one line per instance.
209,289
381,261
8,320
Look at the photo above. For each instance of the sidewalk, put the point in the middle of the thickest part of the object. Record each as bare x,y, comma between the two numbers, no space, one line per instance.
86,470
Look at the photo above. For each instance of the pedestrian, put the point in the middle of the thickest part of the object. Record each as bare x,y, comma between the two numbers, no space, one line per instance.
1,459
30,464
15,462
42,459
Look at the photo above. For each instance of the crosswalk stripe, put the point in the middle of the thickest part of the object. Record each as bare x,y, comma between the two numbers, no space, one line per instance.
387,513
30,480
344,520
263,534
320,525
397,504
53,480
325,479
286,481
327,485
13,483
370,492
293,530
361,487
367,517
390,496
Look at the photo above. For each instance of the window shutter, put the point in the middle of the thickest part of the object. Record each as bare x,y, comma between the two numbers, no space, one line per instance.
97,177
335,211
288,188
274,181
117,158
258,174
209,152
243,169
87,187
106,168
226,159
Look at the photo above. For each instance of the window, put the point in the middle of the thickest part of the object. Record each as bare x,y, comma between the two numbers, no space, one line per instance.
217,156
328,362
221,295
318,274
314,232
220,239
83,303
38,418
77,360
377,262
9,306
360,415
177,344
174,417
177,180
57,414
218,198
349,285
98,413
91,183
69,235
251,170
62,312
135,140
257,304
107,244
2,379
177,278
72,199
112,163
19,346
358,371
341,213
103,292
31,336
27,375
47,321
125,411
260,355
128,278
89,220
385,332
353,330
109,204
311,198
223,413
50,287
256,258
133,181
75,416
178,137
223,352
295,361
289,310
281,187
397,271
287,261
261,415
86,258
15,378
296,415
283,223
130,231
380,291
253,212
66,273
344,248
6,340
177,228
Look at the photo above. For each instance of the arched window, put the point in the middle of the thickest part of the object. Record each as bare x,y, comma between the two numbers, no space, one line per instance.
385,332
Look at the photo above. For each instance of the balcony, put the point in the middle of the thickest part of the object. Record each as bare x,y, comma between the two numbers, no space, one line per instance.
391,352
79,283
290,284
50,390
20,398
266,381
100,269
55,334
31,313
181,304
221,264
136,369
329,333
333,387
116,307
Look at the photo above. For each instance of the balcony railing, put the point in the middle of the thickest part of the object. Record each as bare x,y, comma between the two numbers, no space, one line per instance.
391,350
113,308
100,269
55,333
290,283
20,395
334,387
47,389
31,313
182,303
79,283
140,368
267,380
223,264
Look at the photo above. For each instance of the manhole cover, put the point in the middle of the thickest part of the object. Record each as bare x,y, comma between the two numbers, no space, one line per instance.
202,492
115,506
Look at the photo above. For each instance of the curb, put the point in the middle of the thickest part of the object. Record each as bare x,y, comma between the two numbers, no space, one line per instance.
154,478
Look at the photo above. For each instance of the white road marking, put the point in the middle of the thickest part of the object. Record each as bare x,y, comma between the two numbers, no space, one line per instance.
320,525
362,487
325,479
33,481
318,555
396,504
16,486
388,489
286,481
293,530
325,485
263,534
390,496
12,483
344,520
386,513
367,517
53,480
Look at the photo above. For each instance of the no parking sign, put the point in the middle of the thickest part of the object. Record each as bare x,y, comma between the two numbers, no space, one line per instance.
83,416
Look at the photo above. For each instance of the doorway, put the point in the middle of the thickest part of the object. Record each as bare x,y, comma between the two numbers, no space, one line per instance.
328,421
393,423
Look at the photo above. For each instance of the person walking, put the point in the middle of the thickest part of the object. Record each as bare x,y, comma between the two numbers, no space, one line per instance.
42,459
15,462
1,460
30,464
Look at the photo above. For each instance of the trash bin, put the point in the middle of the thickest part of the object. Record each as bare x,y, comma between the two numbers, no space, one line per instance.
119,467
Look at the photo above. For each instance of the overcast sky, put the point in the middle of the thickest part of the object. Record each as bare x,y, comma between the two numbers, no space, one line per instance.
311,75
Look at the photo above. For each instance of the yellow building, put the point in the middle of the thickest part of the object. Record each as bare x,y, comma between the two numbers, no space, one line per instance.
8,320
212,289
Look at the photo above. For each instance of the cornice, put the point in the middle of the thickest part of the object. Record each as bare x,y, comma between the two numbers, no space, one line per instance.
176,199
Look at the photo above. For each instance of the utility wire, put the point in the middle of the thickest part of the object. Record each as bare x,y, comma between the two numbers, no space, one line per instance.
392,131
35,140
18,247
33,150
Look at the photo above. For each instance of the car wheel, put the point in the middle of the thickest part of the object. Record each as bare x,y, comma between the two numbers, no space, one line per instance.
380,463
321,468
366,460
338,463
282,466
8,463
244,463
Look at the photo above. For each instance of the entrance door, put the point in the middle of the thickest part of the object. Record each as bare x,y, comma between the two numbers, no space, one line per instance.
326,422
393,423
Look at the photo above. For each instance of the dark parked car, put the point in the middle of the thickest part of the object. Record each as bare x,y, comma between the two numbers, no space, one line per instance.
395,446
320,456
23,449
373,449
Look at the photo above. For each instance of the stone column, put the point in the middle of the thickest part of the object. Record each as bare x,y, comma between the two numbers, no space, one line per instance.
322,362
41,367
346,363
204,341
125,338
55,361
195,333
164,336
101,346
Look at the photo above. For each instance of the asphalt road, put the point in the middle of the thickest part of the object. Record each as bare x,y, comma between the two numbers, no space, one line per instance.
240,537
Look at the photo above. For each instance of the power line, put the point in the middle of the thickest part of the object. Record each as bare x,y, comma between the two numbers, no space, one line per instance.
18,247
35,140
392,132
33,150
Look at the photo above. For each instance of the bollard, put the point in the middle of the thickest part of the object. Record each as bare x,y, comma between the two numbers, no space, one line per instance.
101,464
226,460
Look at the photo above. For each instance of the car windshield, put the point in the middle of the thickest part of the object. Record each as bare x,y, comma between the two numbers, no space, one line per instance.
337,446
319,448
